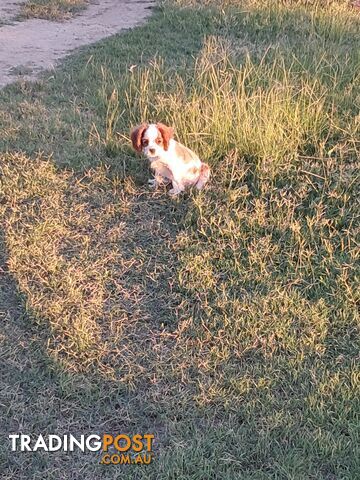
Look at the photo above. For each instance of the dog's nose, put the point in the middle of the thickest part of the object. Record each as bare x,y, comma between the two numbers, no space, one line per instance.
152,150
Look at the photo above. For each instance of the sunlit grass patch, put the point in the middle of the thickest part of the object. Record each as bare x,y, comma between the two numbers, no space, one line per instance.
270,112
72,251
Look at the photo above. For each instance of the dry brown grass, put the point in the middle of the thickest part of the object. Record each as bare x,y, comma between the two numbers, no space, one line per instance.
56,10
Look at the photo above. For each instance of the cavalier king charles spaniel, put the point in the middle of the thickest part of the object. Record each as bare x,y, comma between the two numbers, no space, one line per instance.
170,160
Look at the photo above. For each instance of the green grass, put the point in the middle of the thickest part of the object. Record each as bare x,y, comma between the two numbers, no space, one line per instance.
225,321
52,9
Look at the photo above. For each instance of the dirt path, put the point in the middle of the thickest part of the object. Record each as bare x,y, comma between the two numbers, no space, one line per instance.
33,45
9,9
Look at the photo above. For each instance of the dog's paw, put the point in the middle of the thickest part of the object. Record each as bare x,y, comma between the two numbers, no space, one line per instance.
174,192
152,183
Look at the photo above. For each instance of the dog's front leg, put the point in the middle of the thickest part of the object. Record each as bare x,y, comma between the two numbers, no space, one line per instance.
157,181
178,187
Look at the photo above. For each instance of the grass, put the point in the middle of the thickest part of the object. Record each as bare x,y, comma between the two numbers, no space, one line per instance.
55,10
225,322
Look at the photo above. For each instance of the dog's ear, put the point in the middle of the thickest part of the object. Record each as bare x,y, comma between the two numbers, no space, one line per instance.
166,133
136,136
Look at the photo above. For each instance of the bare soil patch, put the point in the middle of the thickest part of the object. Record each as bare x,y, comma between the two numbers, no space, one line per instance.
9,9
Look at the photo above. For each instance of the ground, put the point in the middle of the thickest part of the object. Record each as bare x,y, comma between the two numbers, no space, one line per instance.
224,322
33,44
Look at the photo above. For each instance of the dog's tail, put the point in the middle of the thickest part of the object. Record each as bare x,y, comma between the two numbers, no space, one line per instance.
203,177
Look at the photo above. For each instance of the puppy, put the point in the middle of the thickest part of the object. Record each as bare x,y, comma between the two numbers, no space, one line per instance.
170,160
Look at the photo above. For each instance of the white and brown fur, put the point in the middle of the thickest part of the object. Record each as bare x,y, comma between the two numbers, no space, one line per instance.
170,160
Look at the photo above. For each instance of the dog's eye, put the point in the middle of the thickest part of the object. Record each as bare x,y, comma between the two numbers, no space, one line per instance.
158,140
145,143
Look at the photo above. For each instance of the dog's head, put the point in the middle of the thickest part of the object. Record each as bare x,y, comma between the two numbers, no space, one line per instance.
151,139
